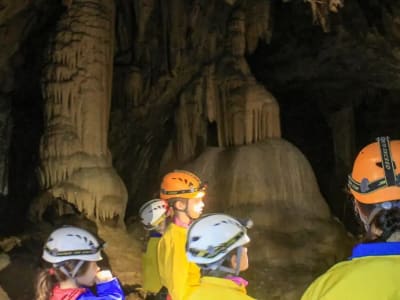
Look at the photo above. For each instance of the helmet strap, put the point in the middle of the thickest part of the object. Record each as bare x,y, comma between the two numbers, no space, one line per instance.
368,219
235,271
74,271
387,161
186,209
239,251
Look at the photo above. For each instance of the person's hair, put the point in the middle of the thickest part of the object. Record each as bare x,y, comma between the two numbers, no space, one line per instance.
388,221
49,277
173,201
220,273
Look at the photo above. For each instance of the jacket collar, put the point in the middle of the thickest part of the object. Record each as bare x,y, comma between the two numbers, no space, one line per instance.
66,294
376,249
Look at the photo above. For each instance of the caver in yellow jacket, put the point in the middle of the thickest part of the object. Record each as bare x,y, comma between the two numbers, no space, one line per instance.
151,277
373,273
177,274
214,288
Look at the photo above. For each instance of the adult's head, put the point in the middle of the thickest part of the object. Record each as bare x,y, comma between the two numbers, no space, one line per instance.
375,186
184,192
216,242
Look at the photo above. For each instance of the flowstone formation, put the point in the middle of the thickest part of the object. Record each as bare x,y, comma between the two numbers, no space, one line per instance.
76,164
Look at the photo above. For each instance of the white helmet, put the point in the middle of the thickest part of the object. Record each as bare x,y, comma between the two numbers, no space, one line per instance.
212,237
153,212
70,242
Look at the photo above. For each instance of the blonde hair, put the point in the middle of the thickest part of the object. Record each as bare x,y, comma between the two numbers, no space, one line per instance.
49,277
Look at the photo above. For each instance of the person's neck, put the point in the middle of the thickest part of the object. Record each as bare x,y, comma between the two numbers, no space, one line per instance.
68,284
182,220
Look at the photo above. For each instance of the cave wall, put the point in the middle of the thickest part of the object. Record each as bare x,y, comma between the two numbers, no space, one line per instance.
331,83
24,33
166,77
332,58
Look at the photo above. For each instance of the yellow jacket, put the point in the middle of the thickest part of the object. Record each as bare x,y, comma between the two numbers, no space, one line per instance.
373,273
177,274
213,288
151,277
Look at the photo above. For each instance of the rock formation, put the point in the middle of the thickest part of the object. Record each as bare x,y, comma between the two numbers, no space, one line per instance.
75,161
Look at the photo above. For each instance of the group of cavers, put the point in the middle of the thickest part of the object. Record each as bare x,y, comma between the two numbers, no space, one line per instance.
190,256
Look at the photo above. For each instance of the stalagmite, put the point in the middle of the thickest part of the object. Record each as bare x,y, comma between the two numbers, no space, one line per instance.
75,161
273,184
273,174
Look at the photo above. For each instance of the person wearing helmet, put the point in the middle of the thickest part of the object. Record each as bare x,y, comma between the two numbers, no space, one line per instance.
216,243
153,215
184,192
374,266
73,254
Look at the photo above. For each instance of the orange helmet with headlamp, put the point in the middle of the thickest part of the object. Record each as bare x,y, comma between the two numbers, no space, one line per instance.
376,172
181,184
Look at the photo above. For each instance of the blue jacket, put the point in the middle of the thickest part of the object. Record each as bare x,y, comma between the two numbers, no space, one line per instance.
110,290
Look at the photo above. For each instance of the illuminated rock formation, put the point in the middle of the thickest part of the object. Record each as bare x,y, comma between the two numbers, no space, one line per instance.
75,161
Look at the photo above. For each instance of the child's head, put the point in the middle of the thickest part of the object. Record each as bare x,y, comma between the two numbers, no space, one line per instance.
73,253
153,214
216,242
184,192
375,186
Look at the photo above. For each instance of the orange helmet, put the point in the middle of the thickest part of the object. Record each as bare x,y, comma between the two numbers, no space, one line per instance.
376,172
182,184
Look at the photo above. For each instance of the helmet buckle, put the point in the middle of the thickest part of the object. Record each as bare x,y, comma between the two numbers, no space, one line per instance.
364,186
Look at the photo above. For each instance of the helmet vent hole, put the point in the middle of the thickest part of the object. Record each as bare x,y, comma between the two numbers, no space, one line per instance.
379,164
195,238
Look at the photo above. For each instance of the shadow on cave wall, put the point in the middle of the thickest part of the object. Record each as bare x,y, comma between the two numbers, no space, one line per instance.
27,119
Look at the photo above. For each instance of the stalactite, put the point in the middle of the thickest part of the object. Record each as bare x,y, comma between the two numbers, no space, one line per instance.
176,24
244,111
258,24
190,121
133,88
320,10
5,135
143,11
75,161
210,93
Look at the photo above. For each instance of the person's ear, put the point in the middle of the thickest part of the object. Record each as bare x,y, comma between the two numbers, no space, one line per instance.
180,205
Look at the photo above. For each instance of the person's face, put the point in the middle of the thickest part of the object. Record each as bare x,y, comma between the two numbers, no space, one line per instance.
244,260
195,207
89,277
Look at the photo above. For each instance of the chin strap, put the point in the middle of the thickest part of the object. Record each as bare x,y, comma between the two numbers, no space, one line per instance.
185,210
74,271
367,220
